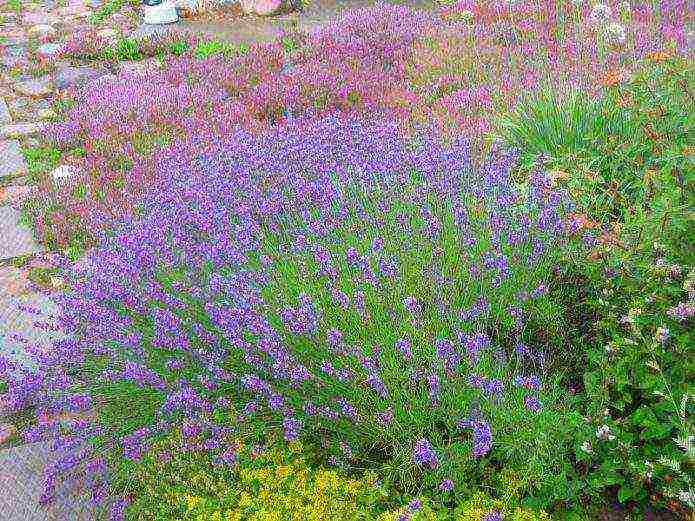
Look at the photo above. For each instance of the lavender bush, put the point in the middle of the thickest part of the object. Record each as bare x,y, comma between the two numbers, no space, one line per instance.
329,281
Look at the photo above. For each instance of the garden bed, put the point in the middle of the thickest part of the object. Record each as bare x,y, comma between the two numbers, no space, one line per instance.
446,255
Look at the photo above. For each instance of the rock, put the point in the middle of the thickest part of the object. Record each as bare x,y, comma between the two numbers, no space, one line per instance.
39,18
267,7
107,34
64,173
46,114
21,130
42,31
7,430
48,50
13,195
11,161
16,240
71,76
34,88
148,31
5,117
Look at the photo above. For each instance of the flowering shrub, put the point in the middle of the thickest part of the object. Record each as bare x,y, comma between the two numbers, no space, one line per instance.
631,176
328,281
418,66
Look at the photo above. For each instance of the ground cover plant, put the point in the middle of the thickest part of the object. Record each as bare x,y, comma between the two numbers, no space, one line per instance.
419,67
281,484
332,282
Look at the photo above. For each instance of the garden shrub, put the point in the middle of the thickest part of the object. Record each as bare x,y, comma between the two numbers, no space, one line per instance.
419,67
631,174
332,282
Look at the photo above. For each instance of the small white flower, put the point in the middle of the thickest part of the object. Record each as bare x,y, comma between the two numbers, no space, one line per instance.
687,497
604,433
615,34
586,447
662,335
600,13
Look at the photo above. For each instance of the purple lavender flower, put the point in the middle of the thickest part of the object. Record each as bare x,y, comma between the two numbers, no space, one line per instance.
415,505
446,485
411,304
385,416
403,346
494,515
532,403
424,454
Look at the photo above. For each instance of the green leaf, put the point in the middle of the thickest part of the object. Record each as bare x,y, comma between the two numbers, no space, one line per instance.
625,493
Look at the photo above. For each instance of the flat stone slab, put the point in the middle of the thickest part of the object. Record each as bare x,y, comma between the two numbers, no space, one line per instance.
21,471
15,240
15,295
5,117
11,159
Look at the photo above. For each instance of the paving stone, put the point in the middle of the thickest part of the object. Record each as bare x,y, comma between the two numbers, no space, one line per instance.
21,130
11,159
15,293
35,87
5,117
42,30
48,50
15,194
15,240
21,471
71,76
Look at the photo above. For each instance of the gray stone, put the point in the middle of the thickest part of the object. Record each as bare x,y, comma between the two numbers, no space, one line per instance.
14,320
149,31
73,76
21,470
34,88
15,194
15,240
21,130
5,117
48,50
11,159
42,30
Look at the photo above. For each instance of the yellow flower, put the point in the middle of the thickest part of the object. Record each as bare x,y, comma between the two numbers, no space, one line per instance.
192,501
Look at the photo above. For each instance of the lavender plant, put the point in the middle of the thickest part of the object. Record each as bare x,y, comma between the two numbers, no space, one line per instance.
331,282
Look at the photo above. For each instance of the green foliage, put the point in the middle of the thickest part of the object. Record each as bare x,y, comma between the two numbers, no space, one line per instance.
627,159
178,48
108,8
40,161
552,123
